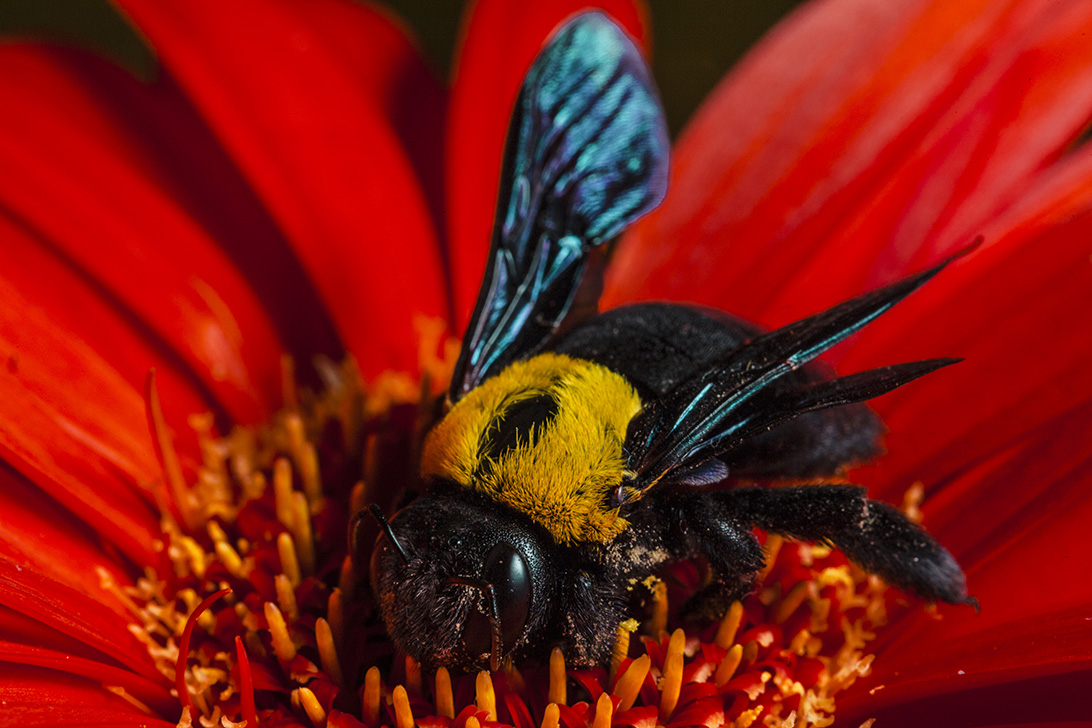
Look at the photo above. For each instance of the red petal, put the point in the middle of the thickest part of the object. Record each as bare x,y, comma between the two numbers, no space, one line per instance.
151,693
41,536
42,698
75,429
501,40
73,613
807,162
1026,557
292,113
121,230
1016,309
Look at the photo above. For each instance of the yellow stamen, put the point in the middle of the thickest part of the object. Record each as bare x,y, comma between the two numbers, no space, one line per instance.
305,545
629,685
335,614
472,722
282,492
747,718
556,693
726,632
403,715
195,554
792,601
551,717
358,499
484,696
324,637
371,696
286,597
297,438
604,711
229,557
621,647
312,707
216,532
750,652
658,623
289,563
445,700
771,549
799,644
413,676
672,677
347,577
309,473
168,456
728,665
282,643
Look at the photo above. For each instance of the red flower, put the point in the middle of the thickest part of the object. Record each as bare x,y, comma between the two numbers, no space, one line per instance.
283,188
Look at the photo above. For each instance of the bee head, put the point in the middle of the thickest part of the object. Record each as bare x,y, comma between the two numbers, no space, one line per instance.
461,584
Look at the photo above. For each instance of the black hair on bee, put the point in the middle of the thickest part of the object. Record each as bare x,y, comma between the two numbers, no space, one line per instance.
570,460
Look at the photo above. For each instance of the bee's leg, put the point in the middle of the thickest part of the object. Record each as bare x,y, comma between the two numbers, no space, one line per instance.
874,535
707,526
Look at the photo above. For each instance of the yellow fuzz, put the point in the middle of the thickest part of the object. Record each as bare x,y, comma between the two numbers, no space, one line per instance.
564,481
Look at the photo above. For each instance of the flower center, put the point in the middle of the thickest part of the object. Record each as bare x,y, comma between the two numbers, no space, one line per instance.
256,613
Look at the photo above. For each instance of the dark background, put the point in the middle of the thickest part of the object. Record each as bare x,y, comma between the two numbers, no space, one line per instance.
694,41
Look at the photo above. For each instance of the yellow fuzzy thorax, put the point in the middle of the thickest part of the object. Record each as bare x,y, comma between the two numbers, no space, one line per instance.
563,481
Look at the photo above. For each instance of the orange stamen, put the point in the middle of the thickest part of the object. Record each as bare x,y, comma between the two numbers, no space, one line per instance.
728,665
313,707
445,700
604,711
672,677
371,697
246,685
403,715
551,717
282,643
485,698
184,649
286,597
324,637
726,632
556,692
629,685
290,565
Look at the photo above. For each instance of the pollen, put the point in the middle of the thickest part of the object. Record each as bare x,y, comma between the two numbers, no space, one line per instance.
257,614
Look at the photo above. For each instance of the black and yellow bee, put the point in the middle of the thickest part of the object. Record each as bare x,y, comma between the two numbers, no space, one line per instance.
568,464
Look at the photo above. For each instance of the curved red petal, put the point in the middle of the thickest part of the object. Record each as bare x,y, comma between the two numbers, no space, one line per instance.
1052,701
75,428
1015,309
41,536
39,698
1026,554
72,612
151,693
75,180
821,168
320,154
500,41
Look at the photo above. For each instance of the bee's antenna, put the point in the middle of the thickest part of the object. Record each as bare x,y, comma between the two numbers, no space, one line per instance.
386,526
493,615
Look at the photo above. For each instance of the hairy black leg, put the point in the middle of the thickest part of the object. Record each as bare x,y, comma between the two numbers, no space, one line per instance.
707,526
874,535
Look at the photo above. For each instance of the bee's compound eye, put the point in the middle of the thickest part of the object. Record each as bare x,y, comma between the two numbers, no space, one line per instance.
507,571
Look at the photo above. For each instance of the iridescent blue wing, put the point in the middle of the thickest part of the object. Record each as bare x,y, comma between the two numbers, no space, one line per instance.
689,433
586,155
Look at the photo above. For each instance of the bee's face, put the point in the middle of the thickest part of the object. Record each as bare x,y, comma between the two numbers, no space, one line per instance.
461,576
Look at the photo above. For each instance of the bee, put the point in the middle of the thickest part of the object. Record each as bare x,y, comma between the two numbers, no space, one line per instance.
570,462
